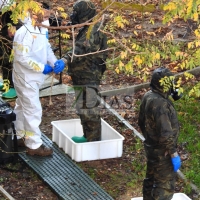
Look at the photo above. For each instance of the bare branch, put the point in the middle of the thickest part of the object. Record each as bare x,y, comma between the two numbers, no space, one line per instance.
94,52
87,23
128,49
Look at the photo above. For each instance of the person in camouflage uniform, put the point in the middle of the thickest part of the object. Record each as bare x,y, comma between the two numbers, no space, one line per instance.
86,71
159,124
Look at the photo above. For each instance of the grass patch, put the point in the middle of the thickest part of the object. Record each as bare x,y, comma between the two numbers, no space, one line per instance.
189,138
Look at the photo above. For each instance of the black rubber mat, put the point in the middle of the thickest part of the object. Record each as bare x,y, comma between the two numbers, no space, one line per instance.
63,176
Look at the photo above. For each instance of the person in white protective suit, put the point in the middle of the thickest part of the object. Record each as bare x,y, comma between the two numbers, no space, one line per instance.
33,58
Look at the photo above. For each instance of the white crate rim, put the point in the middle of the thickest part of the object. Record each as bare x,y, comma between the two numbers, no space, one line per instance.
86,143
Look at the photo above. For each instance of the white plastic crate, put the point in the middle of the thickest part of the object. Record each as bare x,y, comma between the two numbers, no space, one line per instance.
177,196
110,146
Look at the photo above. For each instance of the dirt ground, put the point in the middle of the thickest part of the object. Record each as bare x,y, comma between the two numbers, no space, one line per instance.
22,183
111,174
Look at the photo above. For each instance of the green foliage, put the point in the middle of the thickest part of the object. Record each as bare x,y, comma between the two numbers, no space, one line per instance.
20,8
167,83
189,137
187,9
195,91
187,189
137,55
138,145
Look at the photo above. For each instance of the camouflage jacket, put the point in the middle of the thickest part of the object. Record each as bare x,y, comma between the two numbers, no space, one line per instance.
158,122
91,67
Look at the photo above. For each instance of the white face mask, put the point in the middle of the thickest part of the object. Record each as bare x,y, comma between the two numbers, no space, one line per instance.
46,23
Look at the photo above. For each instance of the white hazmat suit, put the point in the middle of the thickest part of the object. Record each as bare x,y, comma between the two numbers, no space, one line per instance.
32,51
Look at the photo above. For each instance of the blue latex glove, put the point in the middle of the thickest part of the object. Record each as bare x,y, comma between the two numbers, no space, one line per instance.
59,65
176,161
47,69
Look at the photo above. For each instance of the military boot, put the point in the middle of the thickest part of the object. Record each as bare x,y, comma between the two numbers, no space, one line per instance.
41,151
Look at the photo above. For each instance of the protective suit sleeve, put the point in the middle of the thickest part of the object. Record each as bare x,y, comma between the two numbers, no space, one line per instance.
51,58
164,127
22,46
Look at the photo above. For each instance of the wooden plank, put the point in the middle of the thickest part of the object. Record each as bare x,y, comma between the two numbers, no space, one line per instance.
5,194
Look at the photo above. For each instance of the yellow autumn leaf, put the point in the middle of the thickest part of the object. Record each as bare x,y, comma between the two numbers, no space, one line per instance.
6,85
120,24
151,21
197,33
170,6
121,64
197,43
117,70
65,36
138,27
157,56
178,53
138,60
129,67
135,32
33,22
11,57
13,6
111,41
190,45
126,21
134,46
188,75
189,7
12,29
123,54
151,33
195,16
64,15
60,9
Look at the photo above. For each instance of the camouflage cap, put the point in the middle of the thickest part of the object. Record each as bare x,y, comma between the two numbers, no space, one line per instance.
157,75
85,10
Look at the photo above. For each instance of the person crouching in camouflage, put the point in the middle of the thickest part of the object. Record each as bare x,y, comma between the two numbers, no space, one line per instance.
86,71
159,124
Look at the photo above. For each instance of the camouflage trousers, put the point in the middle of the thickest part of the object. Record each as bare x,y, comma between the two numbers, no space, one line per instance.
159,183
89,112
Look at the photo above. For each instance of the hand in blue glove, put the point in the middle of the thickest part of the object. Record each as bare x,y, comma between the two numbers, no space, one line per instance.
59,65
176,161
47,69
